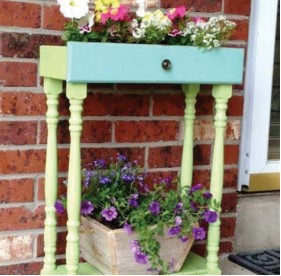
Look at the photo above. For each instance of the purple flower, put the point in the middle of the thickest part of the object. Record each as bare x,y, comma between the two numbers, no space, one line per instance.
193,206
121,158
199,233
104,180
178,208
88,176
196,188
154,207
133,200
168,181
128,228
128,177
141,258
135,246
184,238
100,164
59,207
172,265
87,207
109,213
174,230
178,220
210,216
207,195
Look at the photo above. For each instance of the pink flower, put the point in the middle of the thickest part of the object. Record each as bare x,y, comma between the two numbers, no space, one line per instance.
115,14
198,20
119,14
178,12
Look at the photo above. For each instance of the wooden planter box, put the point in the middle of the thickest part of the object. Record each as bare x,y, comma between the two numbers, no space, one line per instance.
109,250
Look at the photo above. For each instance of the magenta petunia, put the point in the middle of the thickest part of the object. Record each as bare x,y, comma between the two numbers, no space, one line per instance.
87,208
59,207
199,233
154,207
141,258
210,216
128,228
178,12
109,213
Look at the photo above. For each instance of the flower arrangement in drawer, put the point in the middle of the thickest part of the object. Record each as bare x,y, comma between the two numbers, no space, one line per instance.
110,21
158,222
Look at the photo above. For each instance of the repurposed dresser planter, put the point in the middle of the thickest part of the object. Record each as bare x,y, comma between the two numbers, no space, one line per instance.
81,63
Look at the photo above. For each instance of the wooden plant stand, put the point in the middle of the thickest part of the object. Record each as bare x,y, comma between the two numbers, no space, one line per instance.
81,63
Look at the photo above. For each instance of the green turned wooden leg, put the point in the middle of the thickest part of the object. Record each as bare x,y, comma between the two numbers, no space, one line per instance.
190,91
221,94
52,89
76,93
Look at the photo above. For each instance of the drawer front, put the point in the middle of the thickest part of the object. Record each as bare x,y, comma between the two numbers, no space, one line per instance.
133,63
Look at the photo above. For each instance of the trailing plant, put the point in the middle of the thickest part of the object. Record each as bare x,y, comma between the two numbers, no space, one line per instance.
117,195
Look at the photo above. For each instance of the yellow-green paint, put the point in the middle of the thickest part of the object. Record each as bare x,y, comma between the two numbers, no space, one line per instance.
52,89
54,63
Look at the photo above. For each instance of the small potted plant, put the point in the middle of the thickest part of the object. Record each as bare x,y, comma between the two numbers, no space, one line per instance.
129,228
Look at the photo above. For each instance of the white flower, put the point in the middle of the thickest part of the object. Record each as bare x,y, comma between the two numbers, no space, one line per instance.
141,10
74,8
138,33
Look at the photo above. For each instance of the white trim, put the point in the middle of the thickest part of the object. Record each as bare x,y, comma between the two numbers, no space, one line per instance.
258,85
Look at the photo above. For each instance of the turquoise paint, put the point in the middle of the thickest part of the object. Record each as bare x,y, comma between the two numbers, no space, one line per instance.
135,63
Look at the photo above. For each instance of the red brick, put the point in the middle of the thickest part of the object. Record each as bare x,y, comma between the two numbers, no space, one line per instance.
146,131
174,105
16,190
52,18
153,178
18,133
201,155
171,105
62,190
91,154
18,14
194,5
204,105
21,269
18,74
241,30
22,103
230,178
20,218
228,227
61,244
22,161
235,106
233,130
165,157
202,176
200,248
116,105
229,202
133,86
241,7
23,45
231,154
225,247
93,132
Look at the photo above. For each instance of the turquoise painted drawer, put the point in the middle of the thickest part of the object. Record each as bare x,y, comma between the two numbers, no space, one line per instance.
135,63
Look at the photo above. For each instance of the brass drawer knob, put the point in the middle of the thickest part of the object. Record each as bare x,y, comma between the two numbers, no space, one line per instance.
166,64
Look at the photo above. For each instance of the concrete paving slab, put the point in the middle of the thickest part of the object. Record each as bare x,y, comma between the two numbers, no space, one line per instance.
230,268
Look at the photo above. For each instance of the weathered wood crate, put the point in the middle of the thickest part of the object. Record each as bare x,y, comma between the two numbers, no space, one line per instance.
109,250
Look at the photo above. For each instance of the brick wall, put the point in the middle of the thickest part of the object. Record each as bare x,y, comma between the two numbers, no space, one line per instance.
143,121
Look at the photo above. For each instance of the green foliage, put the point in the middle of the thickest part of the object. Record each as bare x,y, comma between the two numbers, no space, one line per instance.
117,195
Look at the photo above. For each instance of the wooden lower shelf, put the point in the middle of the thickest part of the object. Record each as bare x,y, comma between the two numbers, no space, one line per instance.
193,265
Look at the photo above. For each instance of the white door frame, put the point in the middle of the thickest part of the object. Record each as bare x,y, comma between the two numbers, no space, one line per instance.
258,87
